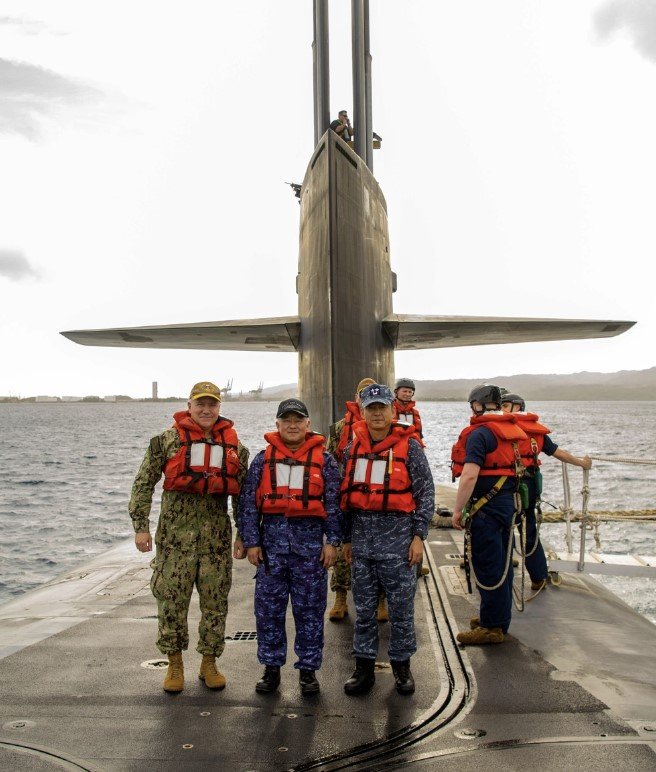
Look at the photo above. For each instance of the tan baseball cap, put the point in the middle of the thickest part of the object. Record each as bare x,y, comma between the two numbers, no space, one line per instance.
364,382
205,389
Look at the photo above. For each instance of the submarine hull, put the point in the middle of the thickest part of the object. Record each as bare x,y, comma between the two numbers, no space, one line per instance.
344,281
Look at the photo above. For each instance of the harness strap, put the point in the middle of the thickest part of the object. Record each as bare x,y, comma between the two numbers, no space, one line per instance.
487,497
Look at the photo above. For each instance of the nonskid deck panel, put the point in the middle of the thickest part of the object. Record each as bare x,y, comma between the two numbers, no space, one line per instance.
83,695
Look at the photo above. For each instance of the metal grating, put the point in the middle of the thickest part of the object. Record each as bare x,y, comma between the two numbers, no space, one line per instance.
242,635
456,557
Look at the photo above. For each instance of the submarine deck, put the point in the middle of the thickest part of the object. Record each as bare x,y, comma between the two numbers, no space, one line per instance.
574,685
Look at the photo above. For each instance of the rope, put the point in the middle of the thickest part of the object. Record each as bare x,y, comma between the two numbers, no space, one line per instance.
611,515
518,597
616,460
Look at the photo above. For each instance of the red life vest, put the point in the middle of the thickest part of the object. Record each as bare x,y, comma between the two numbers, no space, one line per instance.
407,413
352,416
530,449
501,461
202,465
292,481
376,477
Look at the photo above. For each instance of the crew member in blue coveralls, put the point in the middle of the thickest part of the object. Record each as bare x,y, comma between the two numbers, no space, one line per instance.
388,497
486,458
289,501
538,442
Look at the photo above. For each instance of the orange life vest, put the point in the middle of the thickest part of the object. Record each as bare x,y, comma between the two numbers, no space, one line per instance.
503,460
407,413
376,477
530,449
352,416
202,465
292,481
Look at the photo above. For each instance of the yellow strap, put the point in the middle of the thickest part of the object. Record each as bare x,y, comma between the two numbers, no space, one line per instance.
488,496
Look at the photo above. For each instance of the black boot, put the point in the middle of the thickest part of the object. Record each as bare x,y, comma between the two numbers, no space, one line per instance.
363,677
308,682
403,680
269,681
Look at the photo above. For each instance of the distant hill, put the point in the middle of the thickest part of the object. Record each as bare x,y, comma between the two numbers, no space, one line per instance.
623,385
284,391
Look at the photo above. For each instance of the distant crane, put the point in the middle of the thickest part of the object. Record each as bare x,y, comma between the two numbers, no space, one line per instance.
227,388
258,390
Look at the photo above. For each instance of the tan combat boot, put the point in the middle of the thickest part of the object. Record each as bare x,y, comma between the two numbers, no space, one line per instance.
213,678
480,636
381,611
174,681
339,609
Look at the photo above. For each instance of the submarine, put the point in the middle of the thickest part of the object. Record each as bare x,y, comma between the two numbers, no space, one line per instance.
574,685
345,326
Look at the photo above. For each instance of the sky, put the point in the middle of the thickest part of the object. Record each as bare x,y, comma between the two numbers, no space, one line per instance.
144,149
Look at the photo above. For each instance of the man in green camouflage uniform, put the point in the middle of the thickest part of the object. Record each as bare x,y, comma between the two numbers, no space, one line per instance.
193,543
339,437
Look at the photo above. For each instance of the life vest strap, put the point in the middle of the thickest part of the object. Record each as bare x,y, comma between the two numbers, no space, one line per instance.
292,496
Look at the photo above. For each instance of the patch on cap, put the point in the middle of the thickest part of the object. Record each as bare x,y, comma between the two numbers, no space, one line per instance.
205,389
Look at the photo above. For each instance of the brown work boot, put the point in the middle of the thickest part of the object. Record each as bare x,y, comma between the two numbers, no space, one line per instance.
481,635
339,609
535,586
213,678
474,622
174,681
381,611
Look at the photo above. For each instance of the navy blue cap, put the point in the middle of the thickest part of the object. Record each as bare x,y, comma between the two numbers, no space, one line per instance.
376,393
292,406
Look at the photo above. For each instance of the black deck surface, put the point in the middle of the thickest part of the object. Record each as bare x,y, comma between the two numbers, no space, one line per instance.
82,698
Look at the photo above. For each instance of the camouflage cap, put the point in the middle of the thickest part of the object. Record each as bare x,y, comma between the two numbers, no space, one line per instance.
205,389
377,392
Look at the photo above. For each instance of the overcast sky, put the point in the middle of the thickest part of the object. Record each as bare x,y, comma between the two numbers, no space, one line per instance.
144,148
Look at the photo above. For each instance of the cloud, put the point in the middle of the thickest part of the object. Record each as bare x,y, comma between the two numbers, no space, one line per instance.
26,26
15,266
636,17
30,93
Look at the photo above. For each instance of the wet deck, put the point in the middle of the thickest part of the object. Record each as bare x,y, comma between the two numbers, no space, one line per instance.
574,685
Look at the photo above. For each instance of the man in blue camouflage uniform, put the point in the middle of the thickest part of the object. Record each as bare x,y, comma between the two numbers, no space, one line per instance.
384,546
290,555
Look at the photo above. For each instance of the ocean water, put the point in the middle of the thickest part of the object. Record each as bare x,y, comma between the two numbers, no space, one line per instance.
66,471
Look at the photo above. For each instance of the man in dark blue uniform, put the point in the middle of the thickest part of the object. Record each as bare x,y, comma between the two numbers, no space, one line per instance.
388,497
486,458
536,561
289,502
